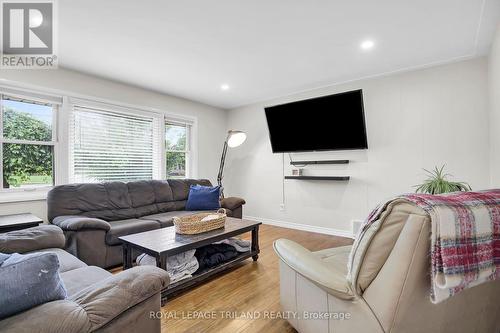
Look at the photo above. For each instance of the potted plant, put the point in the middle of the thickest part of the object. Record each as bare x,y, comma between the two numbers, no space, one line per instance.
437,183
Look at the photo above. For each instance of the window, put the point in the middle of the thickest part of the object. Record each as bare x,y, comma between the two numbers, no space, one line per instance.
177,145
109,144
28,139
88,141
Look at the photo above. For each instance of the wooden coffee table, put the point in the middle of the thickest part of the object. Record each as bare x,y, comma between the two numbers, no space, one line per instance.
164,242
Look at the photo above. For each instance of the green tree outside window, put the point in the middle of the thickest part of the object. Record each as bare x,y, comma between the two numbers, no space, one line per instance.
25,162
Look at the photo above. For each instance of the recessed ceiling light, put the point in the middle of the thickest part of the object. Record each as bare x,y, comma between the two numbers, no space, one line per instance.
224,87
367,45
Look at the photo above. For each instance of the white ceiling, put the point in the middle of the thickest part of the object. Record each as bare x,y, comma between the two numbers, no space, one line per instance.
265,48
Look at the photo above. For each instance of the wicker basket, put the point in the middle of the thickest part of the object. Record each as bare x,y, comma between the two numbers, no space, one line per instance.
193,224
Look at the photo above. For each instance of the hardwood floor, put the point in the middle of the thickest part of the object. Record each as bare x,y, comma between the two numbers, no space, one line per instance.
226,303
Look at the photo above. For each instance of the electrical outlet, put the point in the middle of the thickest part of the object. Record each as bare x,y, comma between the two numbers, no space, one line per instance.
282,207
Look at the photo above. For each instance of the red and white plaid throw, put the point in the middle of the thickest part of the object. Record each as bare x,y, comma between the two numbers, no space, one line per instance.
465,239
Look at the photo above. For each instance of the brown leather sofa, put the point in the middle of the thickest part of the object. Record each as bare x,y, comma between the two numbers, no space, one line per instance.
97,300
93,216
389,290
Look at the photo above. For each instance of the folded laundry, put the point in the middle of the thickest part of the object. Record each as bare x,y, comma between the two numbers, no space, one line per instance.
179,266
184,277
185,272
240,245
214,254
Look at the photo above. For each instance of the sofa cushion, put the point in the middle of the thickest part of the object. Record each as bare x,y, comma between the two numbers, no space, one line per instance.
104,200
180,187
141,193
128,227
370,252
166,219
164,196
78,279
67,261
146,210
29,280
163,192
336,258
170,206
112,214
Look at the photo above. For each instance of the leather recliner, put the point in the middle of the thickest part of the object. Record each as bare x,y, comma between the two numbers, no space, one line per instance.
390,288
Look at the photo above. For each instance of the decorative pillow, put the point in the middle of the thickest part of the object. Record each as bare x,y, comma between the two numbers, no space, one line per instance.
29,280
203,198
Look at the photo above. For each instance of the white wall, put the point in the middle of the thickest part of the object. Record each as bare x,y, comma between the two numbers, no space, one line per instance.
494,91
414,120
211,121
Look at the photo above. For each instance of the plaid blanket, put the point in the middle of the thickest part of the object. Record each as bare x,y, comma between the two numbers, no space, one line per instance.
465,239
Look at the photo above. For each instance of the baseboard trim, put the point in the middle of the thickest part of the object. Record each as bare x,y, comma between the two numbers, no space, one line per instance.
299,226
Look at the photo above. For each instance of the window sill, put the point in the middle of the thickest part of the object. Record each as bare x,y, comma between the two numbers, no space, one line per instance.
23,195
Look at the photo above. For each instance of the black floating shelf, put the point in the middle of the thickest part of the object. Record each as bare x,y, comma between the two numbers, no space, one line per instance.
319,162
337,178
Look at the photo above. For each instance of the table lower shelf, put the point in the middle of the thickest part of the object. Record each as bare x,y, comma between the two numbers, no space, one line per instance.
203,275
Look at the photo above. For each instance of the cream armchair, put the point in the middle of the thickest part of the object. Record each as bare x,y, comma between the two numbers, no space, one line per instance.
389,288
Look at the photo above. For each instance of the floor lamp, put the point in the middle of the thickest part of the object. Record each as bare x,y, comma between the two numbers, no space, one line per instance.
233,139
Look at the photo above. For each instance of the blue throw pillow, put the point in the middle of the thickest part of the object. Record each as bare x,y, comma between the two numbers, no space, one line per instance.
29,280
203,198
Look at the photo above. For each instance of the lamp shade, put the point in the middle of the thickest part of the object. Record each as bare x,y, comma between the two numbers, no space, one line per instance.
235,138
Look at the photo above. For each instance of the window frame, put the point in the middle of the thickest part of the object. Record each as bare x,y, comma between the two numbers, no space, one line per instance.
54,143
188,151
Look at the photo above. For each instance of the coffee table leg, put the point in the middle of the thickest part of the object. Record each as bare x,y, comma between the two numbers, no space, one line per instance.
161,261
255,243
127,256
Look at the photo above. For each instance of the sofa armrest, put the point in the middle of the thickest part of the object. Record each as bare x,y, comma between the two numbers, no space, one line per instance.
75,223
107,299
92,307
32,239
311,267
232,203
59,316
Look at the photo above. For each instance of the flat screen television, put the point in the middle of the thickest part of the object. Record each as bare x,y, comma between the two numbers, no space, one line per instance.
334,122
